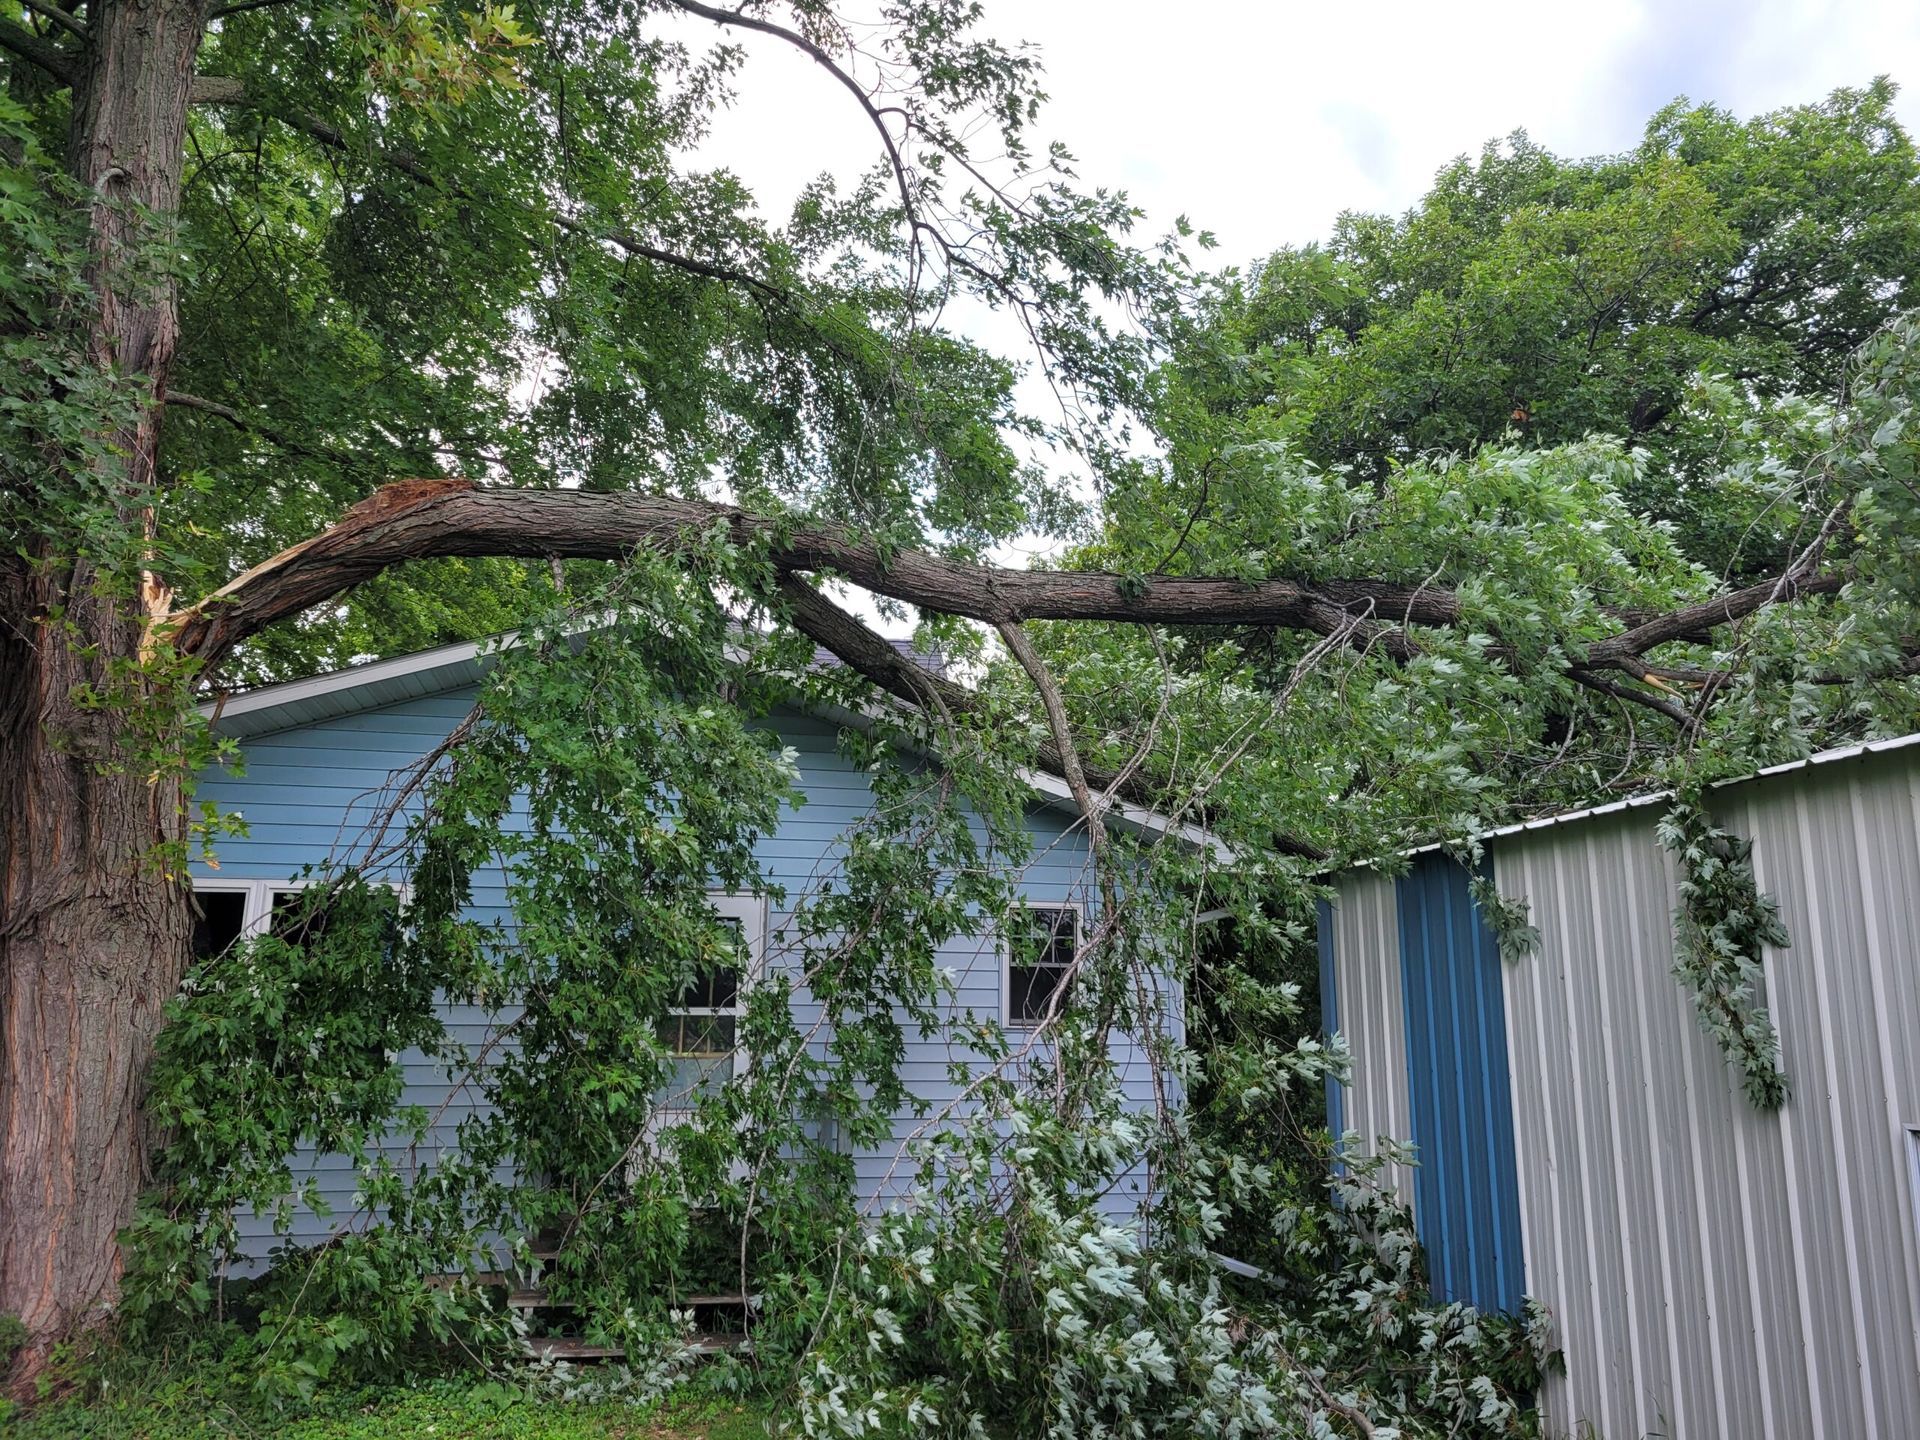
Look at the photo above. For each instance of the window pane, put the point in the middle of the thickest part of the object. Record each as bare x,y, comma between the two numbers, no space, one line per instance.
297,918
703,1051
1048,936
1031,991
692,1077
711,988
219,917
704,1036
1039,961
716,984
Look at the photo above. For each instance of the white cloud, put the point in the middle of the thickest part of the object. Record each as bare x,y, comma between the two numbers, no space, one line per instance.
1263,121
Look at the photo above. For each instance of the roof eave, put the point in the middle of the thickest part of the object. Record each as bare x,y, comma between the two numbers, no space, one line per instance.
293,703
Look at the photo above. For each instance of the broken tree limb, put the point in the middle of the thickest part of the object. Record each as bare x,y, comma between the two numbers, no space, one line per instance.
870,655
426,519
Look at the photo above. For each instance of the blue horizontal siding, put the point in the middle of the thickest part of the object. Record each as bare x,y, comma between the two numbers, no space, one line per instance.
308,796
1466,1188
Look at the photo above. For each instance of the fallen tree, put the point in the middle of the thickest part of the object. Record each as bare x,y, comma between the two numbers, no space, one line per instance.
875,451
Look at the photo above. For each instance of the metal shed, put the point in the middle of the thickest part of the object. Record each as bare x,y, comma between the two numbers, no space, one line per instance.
1712,1269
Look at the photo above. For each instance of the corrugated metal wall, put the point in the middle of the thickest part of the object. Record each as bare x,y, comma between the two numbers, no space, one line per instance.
1466,1197
1365,1004
1715,1270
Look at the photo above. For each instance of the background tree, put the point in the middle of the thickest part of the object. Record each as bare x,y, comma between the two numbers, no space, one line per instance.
1556,388
1543,299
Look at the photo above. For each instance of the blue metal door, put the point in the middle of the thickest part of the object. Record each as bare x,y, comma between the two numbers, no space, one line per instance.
1466,1186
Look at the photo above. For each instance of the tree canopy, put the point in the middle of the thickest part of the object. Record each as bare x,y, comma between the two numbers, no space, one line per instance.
1541,300
1568,394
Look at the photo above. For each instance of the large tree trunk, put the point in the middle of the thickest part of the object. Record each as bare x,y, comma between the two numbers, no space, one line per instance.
94,932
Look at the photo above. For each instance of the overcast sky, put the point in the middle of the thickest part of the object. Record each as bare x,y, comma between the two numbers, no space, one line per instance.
1262,121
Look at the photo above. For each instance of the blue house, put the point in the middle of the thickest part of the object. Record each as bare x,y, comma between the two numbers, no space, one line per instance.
320,757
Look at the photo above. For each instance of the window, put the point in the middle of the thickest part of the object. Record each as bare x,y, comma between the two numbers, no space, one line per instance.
229,910
1040,956
701,1032
701,1029
219,919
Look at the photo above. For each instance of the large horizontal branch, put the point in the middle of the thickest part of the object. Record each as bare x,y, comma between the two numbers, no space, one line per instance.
1698,622
17,39
422,519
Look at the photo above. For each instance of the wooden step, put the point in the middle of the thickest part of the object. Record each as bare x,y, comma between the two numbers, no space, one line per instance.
572,1347
484,1279
537,1297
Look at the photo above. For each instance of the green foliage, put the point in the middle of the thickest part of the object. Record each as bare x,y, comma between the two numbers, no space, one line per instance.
1509,917
1096,1333
124,1397
425,247
61,463
1550,299
616,766
469,240
1721,929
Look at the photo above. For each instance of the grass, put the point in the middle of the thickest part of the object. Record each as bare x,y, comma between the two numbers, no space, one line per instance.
442,1411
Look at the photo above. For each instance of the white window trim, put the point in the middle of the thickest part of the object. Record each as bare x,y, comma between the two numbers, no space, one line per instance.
751,912
258,911
1006,956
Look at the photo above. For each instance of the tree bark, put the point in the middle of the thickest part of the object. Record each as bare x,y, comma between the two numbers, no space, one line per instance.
94,933
420,519
423,519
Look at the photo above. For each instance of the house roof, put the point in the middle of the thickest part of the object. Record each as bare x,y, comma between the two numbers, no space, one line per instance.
378,683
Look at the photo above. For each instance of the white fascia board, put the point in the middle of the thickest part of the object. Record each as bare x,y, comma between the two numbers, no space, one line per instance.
473,656
1125,815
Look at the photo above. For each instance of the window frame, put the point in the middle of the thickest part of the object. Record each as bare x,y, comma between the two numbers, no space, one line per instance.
751,912
257,909
1078,911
